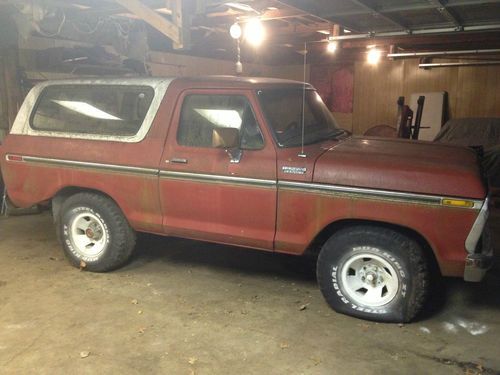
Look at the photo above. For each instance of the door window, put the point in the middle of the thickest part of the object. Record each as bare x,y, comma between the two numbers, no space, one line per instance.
202,113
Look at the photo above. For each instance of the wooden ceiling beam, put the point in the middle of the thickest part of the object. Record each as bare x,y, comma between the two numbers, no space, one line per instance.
167,28
228,19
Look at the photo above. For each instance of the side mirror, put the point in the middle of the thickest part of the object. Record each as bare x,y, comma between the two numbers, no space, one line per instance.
228,139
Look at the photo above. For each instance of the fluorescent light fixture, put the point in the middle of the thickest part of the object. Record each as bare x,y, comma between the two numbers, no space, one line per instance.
254,32
86,109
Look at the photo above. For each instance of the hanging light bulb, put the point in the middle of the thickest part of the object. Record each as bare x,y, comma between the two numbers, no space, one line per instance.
373,56
235,31
332,46
254,32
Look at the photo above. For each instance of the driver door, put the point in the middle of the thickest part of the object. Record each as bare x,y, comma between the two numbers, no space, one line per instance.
206,195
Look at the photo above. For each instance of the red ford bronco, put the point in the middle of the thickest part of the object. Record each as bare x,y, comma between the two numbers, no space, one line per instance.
252,162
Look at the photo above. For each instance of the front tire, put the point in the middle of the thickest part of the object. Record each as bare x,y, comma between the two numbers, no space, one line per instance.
373,273
94,232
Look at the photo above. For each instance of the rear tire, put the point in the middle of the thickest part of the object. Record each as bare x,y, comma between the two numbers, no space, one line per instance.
94,233
373,273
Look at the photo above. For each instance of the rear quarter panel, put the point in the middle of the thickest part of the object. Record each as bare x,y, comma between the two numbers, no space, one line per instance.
32,183
137,194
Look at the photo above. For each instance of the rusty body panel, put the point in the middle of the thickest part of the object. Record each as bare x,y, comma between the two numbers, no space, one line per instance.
303,214
225,208
274,199
402,165
137,194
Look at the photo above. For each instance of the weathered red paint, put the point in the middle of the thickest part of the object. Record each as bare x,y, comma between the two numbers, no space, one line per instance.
268,218
305,214
136,195
237,214
397,164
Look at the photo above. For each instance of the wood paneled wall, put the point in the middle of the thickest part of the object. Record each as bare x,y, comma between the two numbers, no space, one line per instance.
10,91
473,91
376,90
4,107
478,92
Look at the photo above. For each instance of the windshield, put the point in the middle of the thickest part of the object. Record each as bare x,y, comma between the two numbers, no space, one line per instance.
283,111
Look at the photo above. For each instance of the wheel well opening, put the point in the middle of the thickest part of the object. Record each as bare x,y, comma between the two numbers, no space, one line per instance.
68,191
315,246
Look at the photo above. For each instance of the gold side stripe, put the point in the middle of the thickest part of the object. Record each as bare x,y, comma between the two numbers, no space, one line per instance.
375,194
209,178
307,187
89,165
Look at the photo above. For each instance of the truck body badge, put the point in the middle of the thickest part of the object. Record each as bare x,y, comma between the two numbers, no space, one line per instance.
294,170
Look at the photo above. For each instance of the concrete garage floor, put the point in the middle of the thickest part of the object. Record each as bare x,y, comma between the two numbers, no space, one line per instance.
182,307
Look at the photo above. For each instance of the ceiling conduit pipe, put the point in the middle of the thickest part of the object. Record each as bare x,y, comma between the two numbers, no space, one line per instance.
456,64
443,53
445,30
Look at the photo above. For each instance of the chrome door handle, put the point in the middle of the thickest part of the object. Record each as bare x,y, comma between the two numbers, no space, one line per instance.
178,160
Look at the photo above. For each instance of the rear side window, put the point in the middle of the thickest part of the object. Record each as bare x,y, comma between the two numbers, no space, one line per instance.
92,109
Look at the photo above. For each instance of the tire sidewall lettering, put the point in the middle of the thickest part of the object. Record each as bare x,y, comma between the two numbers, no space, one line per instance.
337,283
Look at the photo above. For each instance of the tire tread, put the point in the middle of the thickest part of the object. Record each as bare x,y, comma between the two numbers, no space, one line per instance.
417,261
124,237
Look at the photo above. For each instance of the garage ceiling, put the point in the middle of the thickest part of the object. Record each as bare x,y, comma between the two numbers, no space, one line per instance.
417,25
412,15
409,24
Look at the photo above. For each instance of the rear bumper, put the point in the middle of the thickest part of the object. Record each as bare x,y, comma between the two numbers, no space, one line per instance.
479,247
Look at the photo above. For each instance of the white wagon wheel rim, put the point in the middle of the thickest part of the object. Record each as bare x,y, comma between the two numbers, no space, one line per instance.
369,280
88,235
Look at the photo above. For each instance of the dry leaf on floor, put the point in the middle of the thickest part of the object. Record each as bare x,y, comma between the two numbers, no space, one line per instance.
284,345
303,307
134,302
192,360
84,354
316,360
